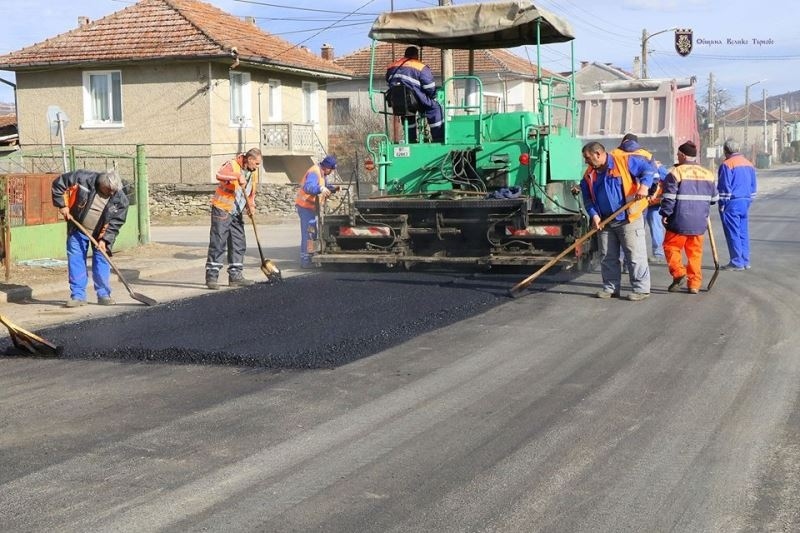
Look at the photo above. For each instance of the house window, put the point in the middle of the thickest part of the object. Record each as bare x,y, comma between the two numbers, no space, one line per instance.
338,111
275,100
102,98
491,104
310,103
240,99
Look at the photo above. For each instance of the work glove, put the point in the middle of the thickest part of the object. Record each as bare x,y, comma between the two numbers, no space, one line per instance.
325,192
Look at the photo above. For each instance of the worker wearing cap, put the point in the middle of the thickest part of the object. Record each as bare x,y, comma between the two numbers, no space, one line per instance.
630,144
416,75
314,188
737,187
689,191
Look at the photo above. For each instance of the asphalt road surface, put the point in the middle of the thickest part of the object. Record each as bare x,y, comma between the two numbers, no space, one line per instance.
436,404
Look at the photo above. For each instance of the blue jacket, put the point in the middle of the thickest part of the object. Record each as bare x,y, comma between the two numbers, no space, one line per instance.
415,75
689,190
736,180
608,192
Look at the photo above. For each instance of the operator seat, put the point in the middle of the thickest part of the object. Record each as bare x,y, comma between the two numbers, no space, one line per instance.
402,100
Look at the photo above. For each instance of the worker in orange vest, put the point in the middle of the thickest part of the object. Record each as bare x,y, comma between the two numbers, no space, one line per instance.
612,180
314,188
236,192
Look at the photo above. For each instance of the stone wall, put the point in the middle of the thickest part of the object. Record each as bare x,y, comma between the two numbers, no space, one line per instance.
178,200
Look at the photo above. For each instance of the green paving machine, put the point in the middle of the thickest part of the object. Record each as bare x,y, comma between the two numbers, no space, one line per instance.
501,189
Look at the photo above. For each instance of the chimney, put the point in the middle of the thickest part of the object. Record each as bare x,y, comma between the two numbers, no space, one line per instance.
637,67
83,22
250,20
327,51
584,64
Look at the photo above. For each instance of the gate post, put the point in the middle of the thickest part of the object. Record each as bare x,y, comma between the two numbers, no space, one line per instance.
142,195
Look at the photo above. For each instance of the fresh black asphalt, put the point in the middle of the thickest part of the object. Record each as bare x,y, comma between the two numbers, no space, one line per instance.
320,320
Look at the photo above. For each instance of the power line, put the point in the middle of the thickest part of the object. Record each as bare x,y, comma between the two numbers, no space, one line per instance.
282,6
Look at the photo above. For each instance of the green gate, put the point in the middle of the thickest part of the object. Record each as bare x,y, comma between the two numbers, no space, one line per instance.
30,224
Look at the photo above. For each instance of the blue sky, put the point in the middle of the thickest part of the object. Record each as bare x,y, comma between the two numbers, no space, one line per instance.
607,31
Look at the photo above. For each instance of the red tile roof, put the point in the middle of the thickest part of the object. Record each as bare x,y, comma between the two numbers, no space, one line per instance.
486,61
168,29
8,120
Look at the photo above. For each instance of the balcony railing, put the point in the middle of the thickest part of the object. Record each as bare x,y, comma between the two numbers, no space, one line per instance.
288,138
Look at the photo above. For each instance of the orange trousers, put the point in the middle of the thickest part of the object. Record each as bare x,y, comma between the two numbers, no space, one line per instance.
674,243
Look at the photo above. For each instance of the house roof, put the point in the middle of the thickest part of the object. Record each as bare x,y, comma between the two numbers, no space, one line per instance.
8,120
486,61
157,30
755,115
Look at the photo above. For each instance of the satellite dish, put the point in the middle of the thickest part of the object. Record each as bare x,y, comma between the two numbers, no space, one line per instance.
55,117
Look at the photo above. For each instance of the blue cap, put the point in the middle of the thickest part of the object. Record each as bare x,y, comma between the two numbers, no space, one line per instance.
328,162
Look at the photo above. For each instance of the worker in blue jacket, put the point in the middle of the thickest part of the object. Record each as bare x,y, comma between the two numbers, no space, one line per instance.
611,181
736,183
417,76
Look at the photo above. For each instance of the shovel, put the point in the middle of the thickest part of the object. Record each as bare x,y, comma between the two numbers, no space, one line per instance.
268,267
515,290
28,342
713,254
135,295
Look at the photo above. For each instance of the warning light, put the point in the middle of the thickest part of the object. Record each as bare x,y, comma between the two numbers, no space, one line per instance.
369,164
524,159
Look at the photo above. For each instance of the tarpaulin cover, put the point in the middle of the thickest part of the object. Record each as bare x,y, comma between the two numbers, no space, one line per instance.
472,26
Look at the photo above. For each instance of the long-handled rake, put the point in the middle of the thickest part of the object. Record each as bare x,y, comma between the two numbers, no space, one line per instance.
516,289
30,343
135,295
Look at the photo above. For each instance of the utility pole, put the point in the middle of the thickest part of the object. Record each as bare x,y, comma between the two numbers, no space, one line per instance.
645,37
764,99
781,133
447,61
711,117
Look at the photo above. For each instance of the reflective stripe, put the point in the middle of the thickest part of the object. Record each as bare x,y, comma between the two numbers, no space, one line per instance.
694,197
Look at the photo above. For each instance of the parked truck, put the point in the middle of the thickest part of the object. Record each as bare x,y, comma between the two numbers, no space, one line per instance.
661,112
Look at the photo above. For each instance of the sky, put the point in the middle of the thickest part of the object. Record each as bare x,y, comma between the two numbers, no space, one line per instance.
742,43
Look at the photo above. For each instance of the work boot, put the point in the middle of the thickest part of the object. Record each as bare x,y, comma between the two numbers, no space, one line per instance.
238,280
676,284
637,296
659,260
105,300
606,294
211,281
75,303
692,290
732,268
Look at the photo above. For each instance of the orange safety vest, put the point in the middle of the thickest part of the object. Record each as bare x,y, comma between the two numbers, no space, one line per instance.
228,177
629,187
307,200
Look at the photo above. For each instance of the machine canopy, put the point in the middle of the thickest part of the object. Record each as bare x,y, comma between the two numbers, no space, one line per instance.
472,26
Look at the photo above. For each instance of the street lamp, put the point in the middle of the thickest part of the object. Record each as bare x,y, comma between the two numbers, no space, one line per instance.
747,112
645,37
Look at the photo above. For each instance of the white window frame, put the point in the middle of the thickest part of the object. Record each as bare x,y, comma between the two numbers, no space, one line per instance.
275,104
90,120
310,102
243,117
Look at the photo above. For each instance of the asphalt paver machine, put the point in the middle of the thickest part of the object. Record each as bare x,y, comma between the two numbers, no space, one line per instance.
501,188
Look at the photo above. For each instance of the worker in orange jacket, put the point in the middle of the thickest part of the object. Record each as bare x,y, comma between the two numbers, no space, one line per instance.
236,192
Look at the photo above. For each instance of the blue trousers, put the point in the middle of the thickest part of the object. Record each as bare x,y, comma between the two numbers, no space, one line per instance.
435,118
657,229
737,233
308,224
77,249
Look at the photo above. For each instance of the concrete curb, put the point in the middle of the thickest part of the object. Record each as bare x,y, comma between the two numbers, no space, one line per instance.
133,272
